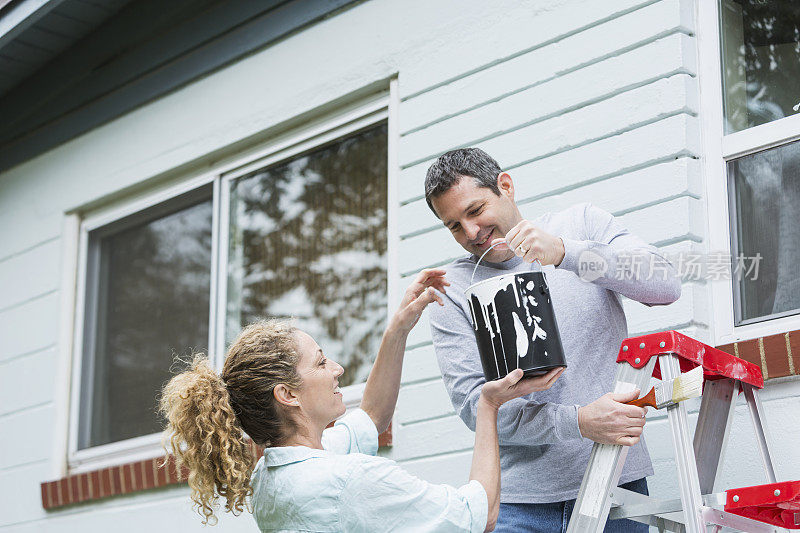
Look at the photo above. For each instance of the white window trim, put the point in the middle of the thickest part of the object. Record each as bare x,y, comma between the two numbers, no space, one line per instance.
367,111
763,137
70,252
717,149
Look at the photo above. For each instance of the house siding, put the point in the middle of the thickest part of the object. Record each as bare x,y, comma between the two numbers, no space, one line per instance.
578,99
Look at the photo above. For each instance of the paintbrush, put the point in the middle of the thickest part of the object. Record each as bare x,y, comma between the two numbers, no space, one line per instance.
667,393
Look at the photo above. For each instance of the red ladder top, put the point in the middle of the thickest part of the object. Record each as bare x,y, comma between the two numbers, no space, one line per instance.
717,364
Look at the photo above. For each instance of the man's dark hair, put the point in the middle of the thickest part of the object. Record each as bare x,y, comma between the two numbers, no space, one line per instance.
456,164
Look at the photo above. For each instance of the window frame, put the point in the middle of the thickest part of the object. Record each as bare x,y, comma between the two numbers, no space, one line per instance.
717,149
374,108
146,446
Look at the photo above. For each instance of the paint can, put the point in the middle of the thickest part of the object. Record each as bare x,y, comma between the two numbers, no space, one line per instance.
515,325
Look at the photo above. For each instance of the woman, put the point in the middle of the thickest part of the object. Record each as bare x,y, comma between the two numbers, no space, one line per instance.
278,386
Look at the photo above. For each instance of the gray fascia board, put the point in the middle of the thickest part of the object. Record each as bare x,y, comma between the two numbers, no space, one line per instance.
21,15
259,32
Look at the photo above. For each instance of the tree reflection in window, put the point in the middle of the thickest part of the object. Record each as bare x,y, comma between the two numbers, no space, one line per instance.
766,189
148,283
308,240
760,60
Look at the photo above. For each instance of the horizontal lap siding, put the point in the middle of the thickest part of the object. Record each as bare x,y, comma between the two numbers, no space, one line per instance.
581,99
543,64
30,201
420,364
30,276
422,402
452,468
29,327
665,57
19,492
519,28
16,394
26,436
430,438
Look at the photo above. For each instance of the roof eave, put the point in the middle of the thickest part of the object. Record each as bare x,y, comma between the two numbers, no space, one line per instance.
17,16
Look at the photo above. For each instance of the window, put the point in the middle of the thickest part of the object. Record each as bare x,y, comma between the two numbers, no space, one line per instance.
148,285
298,229
760,56
760,61
749,60
308,240
765,189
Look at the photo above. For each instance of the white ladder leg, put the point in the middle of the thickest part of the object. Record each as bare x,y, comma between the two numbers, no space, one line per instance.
760,426
713,427
684,453
605,464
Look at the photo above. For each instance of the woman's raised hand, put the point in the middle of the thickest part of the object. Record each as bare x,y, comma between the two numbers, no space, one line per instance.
418,295
498,392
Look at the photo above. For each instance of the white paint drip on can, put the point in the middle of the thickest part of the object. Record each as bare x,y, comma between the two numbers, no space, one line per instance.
534,320
522,337
486,290
502,346
485,313
538,331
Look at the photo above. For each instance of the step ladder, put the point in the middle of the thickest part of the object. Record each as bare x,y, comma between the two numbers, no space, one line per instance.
764,508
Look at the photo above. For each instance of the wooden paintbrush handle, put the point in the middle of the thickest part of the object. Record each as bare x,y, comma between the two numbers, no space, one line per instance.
648,400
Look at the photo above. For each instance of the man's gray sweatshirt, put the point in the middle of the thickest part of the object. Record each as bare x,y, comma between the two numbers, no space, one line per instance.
542,453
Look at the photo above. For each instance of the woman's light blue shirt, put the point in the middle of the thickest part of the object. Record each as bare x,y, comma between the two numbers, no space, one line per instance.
345,487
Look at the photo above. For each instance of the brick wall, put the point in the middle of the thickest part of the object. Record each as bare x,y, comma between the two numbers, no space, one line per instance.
777,355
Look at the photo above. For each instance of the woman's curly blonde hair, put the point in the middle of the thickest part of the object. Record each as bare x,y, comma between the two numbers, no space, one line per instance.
207,414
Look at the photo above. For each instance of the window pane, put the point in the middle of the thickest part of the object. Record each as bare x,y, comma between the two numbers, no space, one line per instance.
760,61
766,200
308,240
149,284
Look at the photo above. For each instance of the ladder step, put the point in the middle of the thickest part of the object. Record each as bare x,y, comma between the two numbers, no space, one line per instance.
775,503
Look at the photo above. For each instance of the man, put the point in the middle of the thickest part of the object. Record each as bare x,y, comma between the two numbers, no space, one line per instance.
545,442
